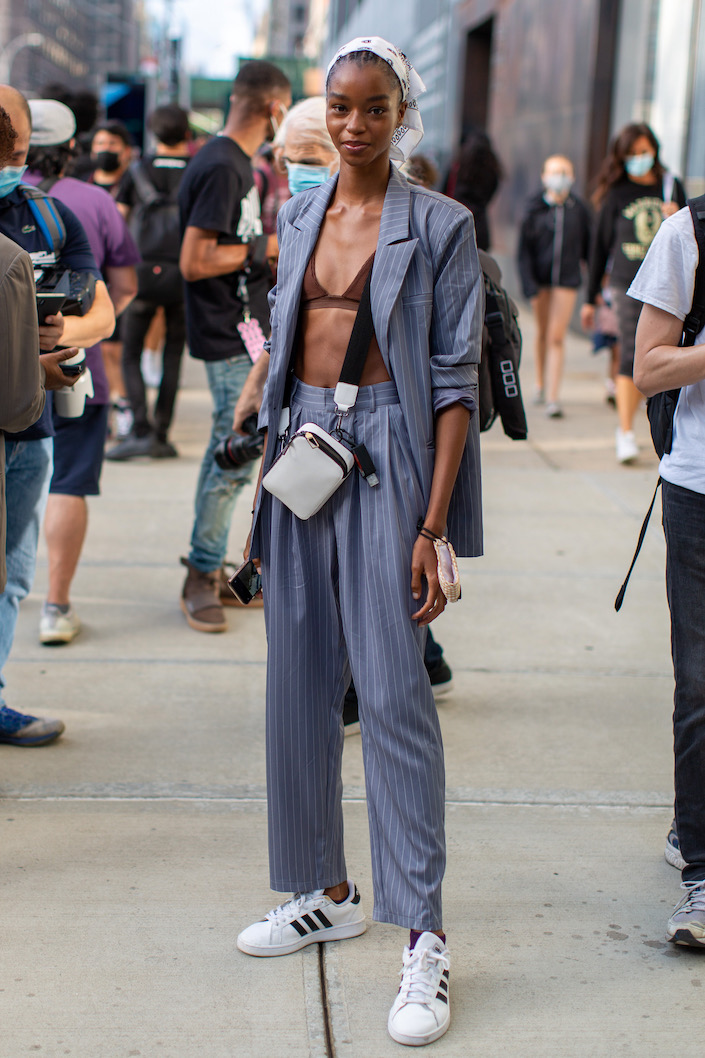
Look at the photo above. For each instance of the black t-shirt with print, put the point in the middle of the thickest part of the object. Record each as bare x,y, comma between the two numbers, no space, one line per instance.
628,220
218,194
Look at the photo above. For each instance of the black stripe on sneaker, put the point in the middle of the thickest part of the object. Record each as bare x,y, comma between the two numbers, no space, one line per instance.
313,926
443,998
299,927
443,984
356,898
446,974
323,919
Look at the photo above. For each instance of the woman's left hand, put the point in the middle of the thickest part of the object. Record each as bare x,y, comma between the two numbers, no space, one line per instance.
425,564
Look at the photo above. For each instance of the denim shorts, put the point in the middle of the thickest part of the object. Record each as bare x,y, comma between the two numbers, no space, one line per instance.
78,452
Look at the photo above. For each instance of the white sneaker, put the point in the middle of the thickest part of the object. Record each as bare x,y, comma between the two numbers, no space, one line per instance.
56,627
627,448
151,367
308,918
687,923
421,1011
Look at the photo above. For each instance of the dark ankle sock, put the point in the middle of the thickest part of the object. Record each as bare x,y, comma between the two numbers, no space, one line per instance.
342,899
416,933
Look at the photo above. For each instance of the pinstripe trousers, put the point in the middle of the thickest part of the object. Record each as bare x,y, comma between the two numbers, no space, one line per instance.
337,594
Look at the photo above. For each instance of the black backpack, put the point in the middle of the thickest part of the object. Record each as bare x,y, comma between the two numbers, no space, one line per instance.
661,408
154,224
499,389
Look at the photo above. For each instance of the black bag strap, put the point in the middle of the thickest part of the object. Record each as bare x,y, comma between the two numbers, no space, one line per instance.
143,185
359,344
47,183
695,320
642,536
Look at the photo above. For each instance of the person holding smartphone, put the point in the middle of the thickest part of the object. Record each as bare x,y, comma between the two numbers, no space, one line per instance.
354,587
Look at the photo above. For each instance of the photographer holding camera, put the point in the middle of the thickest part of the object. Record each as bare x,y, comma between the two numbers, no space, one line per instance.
29,455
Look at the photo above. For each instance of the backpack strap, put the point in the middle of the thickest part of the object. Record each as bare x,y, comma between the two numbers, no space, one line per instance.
695,320
47,183
47,217
143,185
642,536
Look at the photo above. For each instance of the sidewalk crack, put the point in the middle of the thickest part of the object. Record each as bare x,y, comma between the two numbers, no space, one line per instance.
330,1048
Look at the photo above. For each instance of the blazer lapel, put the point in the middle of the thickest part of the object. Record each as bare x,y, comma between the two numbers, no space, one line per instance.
302,239
394,252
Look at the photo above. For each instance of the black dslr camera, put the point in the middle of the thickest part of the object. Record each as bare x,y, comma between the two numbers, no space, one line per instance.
237,450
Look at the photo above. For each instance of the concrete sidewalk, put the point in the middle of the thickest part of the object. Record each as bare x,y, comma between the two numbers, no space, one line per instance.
134,849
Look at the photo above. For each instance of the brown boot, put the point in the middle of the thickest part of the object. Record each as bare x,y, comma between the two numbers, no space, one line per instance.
200,600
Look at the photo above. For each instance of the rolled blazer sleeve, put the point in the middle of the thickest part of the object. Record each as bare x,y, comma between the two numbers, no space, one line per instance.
22,394
456,324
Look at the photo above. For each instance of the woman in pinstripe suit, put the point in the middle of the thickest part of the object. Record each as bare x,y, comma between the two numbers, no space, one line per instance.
353,588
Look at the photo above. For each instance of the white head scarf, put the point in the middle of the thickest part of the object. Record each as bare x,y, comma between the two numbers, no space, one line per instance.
408,136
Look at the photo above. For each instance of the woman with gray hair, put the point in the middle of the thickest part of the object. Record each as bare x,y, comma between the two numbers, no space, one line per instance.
304,145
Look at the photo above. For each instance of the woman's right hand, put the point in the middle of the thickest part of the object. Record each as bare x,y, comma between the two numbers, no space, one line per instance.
587,317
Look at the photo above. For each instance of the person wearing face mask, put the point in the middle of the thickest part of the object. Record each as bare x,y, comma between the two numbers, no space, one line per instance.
553,243
224,259
29,455
634,194
304,148
111,154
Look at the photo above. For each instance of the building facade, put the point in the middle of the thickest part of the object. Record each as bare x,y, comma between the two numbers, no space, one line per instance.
547,76
76,42
286,27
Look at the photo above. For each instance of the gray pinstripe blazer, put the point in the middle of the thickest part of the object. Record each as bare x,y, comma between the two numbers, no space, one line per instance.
427,298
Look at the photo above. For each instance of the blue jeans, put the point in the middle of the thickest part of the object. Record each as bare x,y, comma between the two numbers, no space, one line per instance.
684,528
218,490
28,467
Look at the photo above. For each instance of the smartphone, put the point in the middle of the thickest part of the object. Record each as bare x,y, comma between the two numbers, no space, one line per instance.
49,305
245,582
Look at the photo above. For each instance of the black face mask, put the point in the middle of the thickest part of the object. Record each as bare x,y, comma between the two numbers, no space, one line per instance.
108,161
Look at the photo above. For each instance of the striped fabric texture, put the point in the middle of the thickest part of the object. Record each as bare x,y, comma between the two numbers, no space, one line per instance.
337,591
427,305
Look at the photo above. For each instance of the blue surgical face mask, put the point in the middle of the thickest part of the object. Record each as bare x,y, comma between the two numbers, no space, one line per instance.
559,183
639,164
301,177
10,177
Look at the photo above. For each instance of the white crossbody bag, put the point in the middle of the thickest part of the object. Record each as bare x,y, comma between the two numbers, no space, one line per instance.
313,464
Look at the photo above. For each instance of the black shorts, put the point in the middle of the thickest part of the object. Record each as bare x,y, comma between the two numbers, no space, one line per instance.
78,452
627,310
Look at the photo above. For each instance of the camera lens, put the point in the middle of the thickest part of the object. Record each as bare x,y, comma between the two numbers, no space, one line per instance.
237,450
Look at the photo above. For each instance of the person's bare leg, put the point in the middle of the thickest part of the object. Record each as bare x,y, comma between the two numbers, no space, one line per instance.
628,400
540,305
112,361
65,525
560,312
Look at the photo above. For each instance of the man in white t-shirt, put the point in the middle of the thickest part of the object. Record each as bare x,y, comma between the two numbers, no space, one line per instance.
665,284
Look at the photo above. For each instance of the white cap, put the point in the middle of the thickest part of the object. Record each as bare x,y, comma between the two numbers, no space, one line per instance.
52,122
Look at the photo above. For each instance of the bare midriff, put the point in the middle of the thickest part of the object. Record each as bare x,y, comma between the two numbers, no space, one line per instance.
329,302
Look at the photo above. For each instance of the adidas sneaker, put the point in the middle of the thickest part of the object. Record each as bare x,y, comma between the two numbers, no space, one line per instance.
308,918
421,1012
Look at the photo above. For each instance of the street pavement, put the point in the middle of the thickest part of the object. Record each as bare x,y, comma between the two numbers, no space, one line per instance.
134,849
